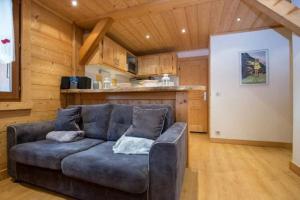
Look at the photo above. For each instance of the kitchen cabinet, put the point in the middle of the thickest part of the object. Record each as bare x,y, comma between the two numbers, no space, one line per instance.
157,64
197,111
148,65
110,54
108,51
122,58
167,63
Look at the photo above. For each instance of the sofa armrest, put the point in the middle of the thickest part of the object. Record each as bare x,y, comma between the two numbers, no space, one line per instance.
22,133
167,161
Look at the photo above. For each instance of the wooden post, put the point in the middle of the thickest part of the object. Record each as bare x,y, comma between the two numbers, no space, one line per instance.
92,41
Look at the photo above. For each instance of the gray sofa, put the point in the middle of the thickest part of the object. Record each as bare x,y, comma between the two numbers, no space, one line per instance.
88,168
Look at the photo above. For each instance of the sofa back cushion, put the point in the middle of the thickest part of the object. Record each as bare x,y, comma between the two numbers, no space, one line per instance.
121,118
68,119
95,119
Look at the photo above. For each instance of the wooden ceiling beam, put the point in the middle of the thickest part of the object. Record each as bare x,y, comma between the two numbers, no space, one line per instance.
281,11
155,6
92,41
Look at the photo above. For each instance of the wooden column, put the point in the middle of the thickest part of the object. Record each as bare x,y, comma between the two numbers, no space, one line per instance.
92,41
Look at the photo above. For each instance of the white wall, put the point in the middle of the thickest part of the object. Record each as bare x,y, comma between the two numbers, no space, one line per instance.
262,112
296,88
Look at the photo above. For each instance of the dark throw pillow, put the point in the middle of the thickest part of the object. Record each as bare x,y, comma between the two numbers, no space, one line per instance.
68,119
147,123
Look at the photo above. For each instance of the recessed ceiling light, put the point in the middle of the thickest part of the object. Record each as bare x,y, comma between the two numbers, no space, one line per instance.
238,19
147,36
183,30
74,3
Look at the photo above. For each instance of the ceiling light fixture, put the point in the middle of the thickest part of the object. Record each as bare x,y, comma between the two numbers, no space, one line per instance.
183,30
147,36
74,3
238,19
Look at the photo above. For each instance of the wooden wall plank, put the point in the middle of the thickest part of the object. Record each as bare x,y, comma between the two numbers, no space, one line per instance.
49,57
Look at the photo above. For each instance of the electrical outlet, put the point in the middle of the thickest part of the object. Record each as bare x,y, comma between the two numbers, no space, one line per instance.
218,132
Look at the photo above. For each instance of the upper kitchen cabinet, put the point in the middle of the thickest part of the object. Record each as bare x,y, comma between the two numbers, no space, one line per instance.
157,64
110,54
168,63
148,65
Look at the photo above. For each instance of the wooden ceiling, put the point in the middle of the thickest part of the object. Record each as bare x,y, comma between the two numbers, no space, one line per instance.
163,20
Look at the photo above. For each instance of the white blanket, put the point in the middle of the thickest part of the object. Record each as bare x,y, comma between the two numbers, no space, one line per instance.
132,145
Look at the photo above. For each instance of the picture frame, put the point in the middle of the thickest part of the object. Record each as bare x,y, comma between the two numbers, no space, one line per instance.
254,67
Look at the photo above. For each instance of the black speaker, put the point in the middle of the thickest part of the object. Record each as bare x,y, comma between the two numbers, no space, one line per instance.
65,82
79,82
84,82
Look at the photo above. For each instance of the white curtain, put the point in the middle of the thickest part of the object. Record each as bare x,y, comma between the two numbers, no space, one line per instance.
7,47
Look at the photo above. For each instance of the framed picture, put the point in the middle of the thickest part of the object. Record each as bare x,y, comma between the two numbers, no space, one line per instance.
254,67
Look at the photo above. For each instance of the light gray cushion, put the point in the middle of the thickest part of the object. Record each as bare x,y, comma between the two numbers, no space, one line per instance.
147,123
65,136
100,165
48,153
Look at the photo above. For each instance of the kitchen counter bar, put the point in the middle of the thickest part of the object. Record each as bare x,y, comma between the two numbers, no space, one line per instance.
137,89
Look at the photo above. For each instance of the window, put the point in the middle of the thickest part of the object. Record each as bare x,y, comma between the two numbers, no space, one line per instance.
9,50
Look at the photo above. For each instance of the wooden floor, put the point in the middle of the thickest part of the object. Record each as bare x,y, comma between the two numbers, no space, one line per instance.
217,171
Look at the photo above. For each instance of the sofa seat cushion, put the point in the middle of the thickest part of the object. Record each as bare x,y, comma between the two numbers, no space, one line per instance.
48,153
128,173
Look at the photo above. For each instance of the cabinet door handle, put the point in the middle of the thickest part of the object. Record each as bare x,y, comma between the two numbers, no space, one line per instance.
205,96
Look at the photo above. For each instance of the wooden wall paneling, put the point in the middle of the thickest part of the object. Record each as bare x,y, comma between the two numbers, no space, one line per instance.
215,15
46,56
77,43
170,23
203,11
149,28
163,21
246,15
49,24
39,65
162,30
181,22
194,24
193,71
228,14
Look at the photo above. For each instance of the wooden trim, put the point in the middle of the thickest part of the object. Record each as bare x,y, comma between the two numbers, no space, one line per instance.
92,41
283,12
295,168
3,174
252,143
193,58
14,95
247,30
5,106
25,60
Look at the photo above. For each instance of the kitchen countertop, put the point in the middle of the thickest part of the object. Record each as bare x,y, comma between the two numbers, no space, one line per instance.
138,89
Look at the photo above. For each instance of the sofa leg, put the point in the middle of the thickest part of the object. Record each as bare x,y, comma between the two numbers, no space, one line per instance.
14,180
